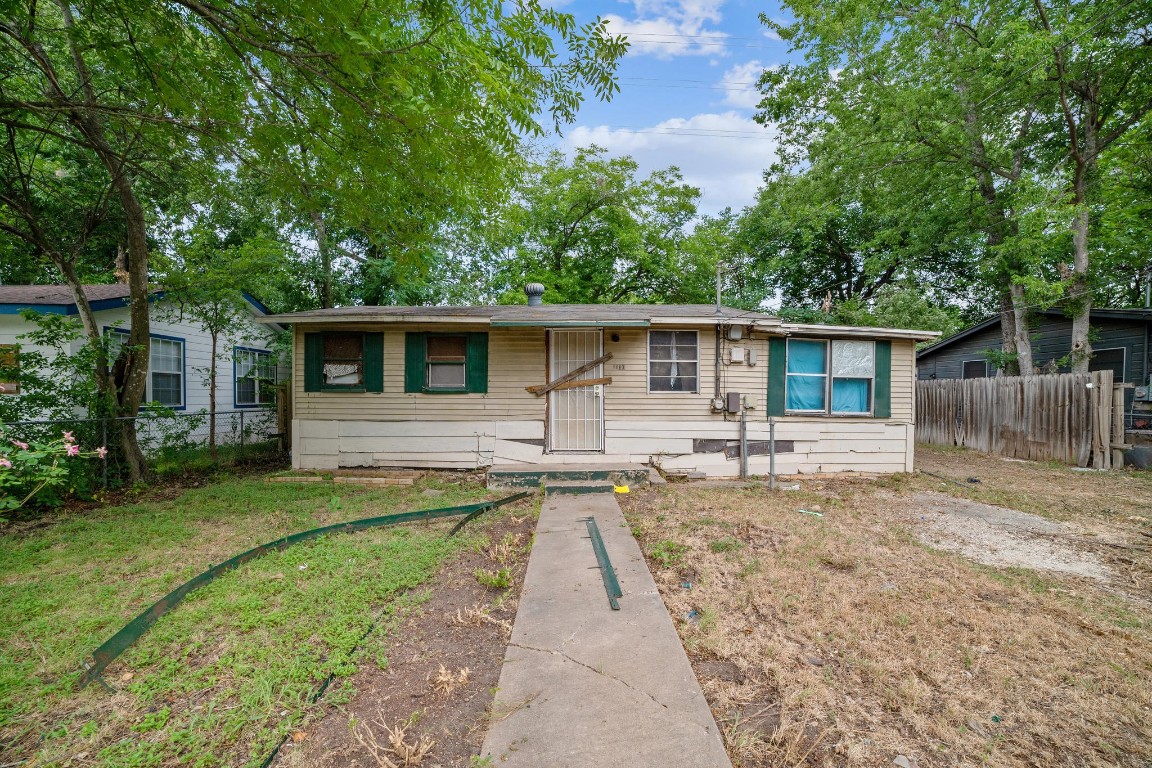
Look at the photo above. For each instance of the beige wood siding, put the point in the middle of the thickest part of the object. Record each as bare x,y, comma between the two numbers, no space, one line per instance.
515,360
506,425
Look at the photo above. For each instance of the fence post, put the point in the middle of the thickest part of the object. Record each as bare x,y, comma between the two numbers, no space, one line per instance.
104,442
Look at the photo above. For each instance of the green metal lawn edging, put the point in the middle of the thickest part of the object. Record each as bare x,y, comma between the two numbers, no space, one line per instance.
133,630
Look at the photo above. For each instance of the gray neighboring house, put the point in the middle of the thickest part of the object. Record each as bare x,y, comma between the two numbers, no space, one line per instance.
1119,344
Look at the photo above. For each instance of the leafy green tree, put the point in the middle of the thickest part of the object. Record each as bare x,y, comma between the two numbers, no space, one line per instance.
384,116
971,97
816,253
593,231
206,277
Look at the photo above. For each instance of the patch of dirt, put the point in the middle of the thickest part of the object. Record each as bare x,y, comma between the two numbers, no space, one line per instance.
841,641
1002,537
443,664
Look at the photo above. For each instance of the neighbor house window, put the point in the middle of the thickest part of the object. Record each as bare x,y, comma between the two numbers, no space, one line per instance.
166,371
447,363
1109,360
343,361
255,377
9,369
673,361
835,377
975,369
165,384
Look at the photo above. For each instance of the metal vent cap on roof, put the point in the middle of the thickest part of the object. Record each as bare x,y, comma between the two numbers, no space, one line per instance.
535,293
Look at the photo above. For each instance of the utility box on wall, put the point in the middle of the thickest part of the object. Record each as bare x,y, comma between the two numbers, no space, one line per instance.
732,402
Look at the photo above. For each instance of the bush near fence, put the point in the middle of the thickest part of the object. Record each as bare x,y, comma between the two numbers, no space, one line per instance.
172,443
1063,417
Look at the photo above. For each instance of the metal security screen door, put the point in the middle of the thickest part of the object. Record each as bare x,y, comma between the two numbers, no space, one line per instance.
576,414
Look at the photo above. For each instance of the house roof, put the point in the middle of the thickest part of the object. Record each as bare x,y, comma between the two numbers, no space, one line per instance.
58,299
1095,314
599,315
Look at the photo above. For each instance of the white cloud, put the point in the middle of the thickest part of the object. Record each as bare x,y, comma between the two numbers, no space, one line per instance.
739,85
725,155
669,28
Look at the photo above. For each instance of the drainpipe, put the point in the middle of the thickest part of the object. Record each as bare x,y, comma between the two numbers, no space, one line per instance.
717,403
743,442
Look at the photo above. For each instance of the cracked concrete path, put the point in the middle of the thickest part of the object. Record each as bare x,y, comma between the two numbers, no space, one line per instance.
583,685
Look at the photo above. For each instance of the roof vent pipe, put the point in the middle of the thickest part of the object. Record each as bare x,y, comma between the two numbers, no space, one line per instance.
535,293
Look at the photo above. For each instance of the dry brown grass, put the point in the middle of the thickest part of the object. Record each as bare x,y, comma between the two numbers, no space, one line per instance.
864,644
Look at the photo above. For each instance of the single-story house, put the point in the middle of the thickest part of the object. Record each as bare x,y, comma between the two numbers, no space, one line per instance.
180,348
1119,344
462,387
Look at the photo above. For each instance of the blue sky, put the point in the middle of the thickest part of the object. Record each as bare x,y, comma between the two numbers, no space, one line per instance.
687,92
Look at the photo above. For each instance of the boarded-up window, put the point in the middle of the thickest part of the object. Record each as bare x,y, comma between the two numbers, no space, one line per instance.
343,360
975,369
1108,360
9,369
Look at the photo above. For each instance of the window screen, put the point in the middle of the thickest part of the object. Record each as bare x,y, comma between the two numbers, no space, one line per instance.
673,361
853,369
975,369
446,360
343,360
1108,360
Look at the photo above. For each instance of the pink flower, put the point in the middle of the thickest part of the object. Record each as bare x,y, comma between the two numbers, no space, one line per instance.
102,452
5,463
20,444
68,438
73,449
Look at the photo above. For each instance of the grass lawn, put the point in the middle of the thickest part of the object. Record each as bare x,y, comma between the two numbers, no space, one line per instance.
221,679
843,639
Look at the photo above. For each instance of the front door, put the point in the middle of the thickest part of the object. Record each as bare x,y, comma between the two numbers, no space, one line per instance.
575,414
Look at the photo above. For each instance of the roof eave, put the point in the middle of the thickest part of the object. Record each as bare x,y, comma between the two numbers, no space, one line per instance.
293,319
853,331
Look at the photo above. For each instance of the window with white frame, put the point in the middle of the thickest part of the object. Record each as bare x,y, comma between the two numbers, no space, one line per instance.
165,385
673,361
166,371
836,377
255,377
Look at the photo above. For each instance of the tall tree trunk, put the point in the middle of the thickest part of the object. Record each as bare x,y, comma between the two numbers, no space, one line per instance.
325,249
1016,343
1079,290
1008,365
86,117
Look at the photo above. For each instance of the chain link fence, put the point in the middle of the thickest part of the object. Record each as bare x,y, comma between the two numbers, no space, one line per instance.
172,443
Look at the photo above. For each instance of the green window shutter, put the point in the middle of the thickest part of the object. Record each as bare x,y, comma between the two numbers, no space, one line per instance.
414,358
373,362
883,406
777,358
313,361
476,362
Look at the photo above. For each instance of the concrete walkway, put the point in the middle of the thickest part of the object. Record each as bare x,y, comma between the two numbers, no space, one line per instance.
583,685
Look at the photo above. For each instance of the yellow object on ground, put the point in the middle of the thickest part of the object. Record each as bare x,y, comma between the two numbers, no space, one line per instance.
620,488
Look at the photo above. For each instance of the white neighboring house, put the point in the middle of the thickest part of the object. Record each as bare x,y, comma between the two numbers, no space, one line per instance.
180,347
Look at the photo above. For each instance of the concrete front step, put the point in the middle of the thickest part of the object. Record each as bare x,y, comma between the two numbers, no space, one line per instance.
577,487
536,475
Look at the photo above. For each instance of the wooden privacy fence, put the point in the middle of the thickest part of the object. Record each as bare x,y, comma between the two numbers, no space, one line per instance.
1064,417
